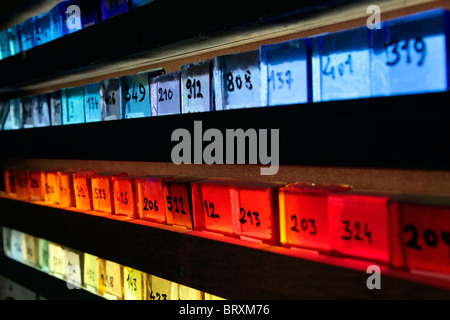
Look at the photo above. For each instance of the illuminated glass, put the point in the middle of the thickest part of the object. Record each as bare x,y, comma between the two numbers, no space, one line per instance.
55,108
165,94
27,31
124,196
15,115
56,22
133,284
10,185
36,183
44,255
28,105
304,215
20,177
57,260
150,198
358,225
67,193
159,288
6,237
31,250
110,98
177,199
214,201
139,3
258,211
70,12
92,102
74,271
111,8
102,191
423,227
90,12
72,101
237,81
188,293
197,87
410,54
41,111
44,28
4,44
4,110
91,272
52,190
135,96
341,65
17,245
82,188
15,45
111,278
284,72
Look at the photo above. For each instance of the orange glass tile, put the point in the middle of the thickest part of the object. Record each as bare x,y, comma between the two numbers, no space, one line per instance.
259,211
36,182
52,190
358,224
10,186
177,199
66,186
214,200
82,189
150,198
20,177
304,215
424,232
102,191
124,196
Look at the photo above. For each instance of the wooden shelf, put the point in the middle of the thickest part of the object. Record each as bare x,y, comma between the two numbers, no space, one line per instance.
407,132
224,266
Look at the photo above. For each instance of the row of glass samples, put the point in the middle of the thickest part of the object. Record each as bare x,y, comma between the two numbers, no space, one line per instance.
408,55
64,18
102,277
402,231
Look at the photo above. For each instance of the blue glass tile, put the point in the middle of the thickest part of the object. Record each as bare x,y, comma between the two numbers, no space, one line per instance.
27,31
4,44
139,3
165,94
341,65
15,115
41,111
111,8
135,96
70,13
197,87
237,81
284,72
110,96
90,12
55,108
28,105
14,40
72,101
44,28
410,54
55,16
4,110
92,102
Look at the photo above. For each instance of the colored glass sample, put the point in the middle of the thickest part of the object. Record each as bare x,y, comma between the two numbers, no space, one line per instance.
6,237
90,12
124,196
28,106
91,277
31,250
44,32
177,199
67,194
15,45
358,225
166,94
110,98
44,255
102,191
150,198
341,65
410,54
135,96
197,87
72,102
159,288
10,185
82,188
13,119
214,201
57,259
111,8
304,214
56,22
284,72
16,243
237,81
4,45
41,111
55,108
74,268
424,233
188,293
258,211
20,177
133,284
70,12
92,102
139,3
36,183
27,31
52,190
4,110
111,280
